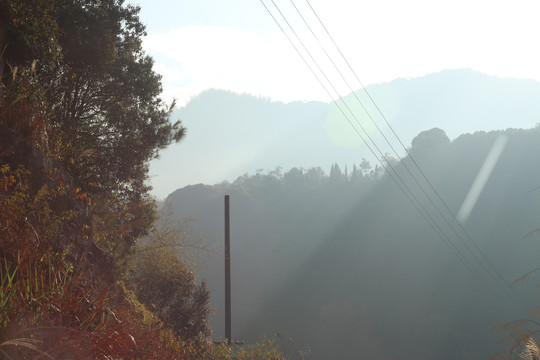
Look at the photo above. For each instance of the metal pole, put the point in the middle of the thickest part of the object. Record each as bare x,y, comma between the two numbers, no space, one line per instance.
227,273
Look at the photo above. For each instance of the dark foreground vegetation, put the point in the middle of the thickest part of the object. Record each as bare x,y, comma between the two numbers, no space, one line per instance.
80,118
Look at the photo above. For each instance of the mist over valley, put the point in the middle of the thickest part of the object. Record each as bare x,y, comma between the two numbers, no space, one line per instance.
336,256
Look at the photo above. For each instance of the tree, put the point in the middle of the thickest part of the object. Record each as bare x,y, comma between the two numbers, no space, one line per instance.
315,178
336,176
162,281
429,141
365,167
295,177
104,118
356,175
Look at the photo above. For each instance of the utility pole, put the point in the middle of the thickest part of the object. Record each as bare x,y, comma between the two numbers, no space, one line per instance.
227,273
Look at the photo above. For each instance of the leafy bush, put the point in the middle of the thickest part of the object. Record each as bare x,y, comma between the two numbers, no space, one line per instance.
265,349
163,283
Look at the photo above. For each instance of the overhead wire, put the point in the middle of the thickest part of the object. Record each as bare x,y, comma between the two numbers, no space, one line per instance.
494,273
420,208
386,164
498,276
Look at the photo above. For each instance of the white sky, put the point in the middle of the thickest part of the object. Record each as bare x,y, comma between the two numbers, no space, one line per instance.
235,44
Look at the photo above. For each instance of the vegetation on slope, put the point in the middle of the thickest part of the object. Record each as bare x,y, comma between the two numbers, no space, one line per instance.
342,262
80,118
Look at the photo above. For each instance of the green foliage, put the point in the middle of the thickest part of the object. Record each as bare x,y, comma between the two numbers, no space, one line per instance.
428,142
31,220
110,96
43,298
118,224
167,287
75,81
53,304
310,179
28,31
264,349
80,118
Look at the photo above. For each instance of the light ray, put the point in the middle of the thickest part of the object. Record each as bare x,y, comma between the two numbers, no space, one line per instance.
482,178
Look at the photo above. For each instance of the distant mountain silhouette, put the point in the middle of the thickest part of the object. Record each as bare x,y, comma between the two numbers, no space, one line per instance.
231,134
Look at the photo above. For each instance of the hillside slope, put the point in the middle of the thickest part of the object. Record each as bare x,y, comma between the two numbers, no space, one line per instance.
347,267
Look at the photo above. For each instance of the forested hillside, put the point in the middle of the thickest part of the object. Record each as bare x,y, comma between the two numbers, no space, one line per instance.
80,119
343,263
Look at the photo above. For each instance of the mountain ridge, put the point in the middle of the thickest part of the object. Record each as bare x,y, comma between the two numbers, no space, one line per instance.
231,134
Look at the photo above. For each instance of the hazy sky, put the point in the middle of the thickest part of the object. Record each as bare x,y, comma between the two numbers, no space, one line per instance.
235,44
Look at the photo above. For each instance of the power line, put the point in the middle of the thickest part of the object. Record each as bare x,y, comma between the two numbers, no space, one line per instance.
498,276
420,208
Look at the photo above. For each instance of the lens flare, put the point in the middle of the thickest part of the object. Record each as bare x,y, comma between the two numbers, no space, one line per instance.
481,178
